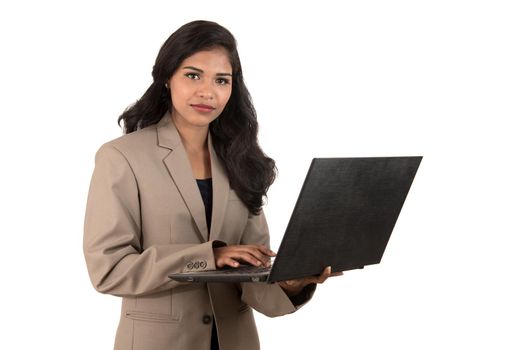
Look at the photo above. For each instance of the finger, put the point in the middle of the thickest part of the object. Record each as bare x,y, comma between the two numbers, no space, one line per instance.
231,253
322,278
260,255
325,274
248,258
259,251
292,283
266,250
268,254
227,261
257,254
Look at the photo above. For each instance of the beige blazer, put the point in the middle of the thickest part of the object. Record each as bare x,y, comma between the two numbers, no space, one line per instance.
145,218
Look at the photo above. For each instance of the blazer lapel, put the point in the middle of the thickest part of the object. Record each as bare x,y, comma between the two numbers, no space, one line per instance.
220,191
180,170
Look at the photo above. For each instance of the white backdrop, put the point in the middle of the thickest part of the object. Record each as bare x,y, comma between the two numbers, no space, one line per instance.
443,79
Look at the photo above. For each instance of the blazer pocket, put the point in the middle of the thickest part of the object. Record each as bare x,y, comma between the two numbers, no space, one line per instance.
152,317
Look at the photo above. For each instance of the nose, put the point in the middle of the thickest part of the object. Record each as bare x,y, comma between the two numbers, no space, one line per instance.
206,91
207,95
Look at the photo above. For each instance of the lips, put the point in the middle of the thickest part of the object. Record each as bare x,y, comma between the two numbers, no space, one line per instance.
202,107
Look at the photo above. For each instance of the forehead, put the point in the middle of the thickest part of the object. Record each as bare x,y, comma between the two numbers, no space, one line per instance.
214,60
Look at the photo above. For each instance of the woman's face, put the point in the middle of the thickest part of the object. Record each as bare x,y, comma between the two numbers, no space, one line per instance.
201,87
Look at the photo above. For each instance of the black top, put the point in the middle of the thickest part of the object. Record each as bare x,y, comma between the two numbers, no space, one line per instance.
206,191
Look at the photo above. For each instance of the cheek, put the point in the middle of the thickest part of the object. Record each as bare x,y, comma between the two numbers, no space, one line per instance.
177,97
224,97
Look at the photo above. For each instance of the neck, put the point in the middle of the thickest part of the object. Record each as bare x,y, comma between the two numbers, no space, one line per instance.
194,138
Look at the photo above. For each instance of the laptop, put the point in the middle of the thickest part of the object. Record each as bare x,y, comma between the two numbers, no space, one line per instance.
343,218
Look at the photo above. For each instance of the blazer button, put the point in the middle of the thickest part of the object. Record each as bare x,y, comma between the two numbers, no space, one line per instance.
190,265
203,264
207,319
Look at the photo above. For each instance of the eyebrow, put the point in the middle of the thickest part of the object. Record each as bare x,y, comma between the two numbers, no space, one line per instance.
201,71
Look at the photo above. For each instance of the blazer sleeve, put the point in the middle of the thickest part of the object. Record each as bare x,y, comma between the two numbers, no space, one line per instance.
268,299
116,261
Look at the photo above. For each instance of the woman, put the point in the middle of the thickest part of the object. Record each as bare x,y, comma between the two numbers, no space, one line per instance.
183,190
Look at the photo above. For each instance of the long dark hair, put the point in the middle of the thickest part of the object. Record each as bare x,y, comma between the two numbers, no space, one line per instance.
234,132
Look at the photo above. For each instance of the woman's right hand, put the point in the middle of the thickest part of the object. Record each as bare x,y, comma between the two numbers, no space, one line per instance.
234,255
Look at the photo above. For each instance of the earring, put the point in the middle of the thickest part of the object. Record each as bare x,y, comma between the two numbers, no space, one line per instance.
167,87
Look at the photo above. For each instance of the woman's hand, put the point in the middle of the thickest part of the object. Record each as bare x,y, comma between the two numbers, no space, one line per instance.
233,255
294,287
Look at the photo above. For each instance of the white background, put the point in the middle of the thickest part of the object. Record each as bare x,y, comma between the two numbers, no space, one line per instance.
442,79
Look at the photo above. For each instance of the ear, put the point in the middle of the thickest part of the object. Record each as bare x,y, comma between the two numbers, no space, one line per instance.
168,83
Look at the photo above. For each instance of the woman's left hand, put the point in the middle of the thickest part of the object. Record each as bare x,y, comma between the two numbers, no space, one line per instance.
294,287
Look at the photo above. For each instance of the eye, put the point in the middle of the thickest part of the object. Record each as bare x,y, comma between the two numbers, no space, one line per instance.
192,76
222,81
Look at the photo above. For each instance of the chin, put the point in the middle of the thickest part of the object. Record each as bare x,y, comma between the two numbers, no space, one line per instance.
196,120
201,121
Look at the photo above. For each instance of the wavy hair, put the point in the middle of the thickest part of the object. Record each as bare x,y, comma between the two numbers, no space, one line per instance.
234,132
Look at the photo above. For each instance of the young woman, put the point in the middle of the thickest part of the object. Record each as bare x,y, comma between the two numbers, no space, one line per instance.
183,190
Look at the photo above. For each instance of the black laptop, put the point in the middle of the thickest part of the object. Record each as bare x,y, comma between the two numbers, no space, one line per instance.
343,218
